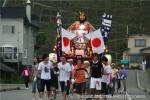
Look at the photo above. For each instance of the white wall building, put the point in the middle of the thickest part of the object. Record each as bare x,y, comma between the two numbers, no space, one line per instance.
18,29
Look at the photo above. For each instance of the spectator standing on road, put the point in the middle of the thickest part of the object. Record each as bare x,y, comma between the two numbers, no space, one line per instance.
64,76
123,78
26,75
36,79
79,76
45,69
143,65
96,74
114,77
118,78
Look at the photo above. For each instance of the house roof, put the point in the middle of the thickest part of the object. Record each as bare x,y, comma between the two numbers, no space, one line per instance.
13,12
19,12
133,34
144,48
6,68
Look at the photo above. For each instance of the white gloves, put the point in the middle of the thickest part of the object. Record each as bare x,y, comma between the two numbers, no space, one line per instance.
65,83
55,72
72,81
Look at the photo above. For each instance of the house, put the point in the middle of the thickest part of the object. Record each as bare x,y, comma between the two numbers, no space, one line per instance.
18,28
138,49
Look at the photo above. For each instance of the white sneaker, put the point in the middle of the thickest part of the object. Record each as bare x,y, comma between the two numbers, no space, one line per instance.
26,88
40,99
33,99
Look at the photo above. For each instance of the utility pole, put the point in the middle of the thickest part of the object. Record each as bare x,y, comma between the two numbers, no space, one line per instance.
18,54
4,3
127,30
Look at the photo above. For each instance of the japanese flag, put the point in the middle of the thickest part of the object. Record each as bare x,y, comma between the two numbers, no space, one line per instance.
66,37
97,42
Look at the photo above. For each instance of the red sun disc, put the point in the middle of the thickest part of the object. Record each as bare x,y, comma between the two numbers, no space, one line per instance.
96,42
65,41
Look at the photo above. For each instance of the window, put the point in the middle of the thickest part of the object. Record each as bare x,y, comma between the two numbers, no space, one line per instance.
1,52
8,56
135,58
8,29
10,53
140,43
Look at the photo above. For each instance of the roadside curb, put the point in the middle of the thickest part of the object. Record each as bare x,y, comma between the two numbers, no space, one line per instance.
139,85
128,97
10,89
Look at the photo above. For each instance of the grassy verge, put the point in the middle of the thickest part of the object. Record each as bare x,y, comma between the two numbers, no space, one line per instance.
148,71
10,81
15,79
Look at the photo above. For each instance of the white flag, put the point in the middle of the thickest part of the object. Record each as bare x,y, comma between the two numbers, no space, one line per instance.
66,37
97,42
106,22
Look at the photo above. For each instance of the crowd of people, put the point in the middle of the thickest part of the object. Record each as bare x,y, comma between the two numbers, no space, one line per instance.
75,76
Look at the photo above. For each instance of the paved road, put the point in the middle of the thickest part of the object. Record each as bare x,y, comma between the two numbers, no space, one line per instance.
132,87
132,90
144,79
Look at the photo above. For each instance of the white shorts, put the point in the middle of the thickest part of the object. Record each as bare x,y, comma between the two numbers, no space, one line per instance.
95,83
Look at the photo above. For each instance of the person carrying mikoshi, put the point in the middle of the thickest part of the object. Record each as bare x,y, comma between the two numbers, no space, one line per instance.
106,77
87,76
45,69
78,77
96,75
64,76
72,86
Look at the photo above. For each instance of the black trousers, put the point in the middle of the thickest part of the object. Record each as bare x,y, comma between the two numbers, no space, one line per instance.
104,88
26,81
64,87
118,83
46,83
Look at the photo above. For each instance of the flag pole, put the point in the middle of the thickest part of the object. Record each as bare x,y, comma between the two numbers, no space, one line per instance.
59,45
